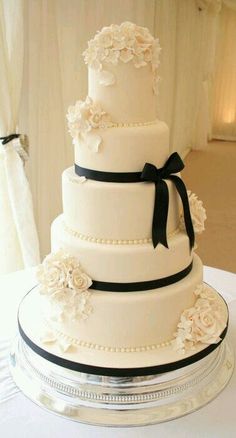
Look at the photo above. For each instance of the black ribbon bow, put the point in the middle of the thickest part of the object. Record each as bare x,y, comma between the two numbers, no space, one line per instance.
150,172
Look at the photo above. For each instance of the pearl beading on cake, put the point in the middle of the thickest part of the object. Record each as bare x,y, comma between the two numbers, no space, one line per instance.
92,239
132,125
110,349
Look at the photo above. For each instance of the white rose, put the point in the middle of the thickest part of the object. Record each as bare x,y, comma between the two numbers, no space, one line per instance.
52,275
79,280
206,328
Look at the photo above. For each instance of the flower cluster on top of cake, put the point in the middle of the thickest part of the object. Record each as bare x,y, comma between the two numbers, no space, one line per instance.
123,43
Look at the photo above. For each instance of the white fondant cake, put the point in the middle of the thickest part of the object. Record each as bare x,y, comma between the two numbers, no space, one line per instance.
123,287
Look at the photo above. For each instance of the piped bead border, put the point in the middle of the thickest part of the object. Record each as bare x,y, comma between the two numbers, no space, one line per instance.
112,349
133,124
92,239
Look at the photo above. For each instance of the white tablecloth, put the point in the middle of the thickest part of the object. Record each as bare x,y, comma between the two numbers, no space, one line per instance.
20,418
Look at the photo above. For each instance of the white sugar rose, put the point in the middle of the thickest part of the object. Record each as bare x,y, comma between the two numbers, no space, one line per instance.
52,275
206,328
79,280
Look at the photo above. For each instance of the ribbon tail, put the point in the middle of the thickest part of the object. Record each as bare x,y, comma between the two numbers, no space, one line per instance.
160,214
180,186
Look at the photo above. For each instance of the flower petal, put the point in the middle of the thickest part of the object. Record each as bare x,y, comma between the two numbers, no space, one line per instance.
106,78
93,142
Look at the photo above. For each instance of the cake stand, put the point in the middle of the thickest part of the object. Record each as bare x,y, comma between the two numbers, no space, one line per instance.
120,401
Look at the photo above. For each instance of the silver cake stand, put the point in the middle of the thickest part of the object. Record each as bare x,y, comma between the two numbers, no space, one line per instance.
120,401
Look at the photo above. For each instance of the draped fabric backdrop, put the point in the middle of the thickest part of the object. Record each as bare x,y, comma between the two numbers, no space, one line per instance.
55,76
19,246
224,101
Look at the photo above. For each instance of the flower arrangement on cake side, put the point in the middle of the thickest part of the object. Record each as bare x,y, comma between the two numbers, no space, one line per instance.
66,285
83,118
201,323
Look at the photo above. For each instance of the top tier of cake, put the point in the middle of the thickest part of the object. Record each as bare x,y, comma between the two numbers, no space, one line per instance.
123,62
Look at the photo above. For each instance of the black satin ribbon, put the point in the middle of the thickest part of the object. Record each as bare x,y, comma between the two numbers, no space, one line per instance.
141,285
117,177
151,173
119,372
9,138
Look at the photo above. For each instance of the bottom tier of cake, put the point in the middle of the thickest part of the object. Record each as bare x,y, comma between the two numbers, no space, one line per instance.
208,323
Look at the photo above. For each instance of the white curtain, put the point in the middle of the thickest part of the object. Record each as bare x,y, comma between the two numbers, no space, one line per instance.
224,104
187,32
18,237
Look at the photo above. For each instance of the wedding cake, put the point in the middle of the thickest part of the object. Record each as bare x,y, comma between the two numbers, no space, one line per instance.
122,292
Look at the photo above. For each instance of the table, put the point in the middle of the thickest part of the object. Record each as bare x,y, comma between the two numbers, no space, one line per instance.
21,418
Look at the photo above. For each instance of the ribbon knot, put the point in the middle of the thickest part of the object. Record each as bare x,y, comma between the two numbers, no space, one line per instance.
9,138
173,165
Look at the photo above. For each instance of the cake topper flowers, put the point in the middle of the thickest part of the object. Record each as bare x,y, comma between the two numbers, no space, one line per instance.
83,118
66,285
122,43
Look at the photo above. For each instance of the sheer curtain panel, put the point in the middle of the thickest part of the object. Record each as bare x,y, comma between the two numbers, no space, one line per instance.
224,103
18,236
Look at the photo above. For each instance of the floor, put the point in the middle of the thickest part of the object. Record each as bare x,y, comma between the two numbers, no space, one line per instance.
211,174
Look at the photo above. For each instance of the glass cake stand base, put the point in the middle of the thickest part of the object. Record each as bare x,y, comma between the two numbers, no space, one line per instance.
120,401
